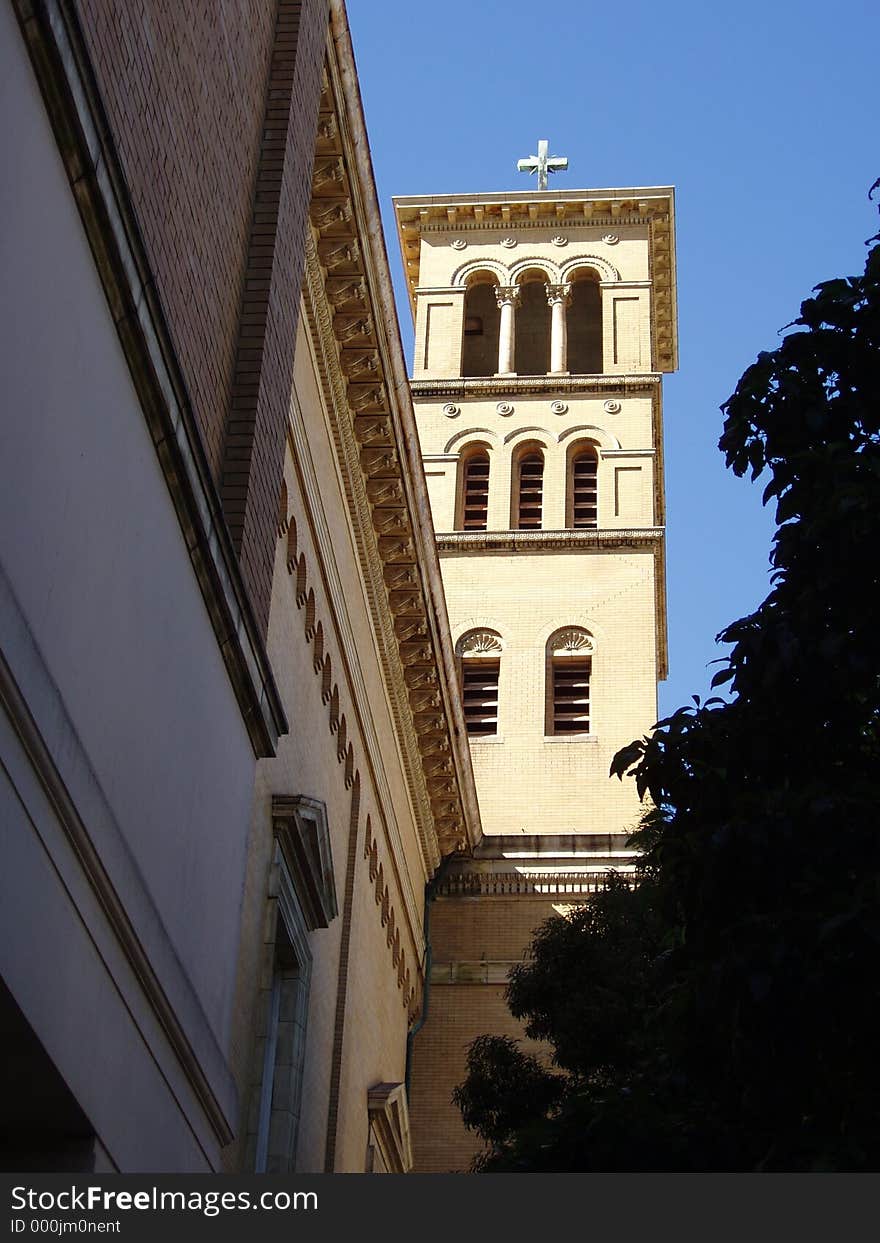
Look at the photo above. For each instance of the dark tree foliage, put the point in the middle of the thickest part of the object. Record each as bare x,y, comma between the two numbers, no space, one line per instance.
726,1014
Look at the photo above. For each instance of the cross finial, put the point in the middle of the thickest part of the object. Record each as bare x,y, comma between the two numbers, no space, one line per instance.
542,163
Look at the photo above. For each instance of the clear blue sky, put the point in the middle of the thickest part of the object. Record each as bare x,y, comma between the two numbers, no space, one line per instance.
763,116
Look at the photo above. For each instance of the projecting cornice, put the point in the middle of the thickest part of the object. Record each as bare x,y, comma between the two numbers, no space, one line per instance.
532,541
350,305
543,385
648,209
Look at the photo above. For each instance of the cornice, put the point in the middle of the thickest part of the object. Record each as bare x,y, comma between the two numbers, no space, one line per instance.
490,386
351,312
452,542
571,220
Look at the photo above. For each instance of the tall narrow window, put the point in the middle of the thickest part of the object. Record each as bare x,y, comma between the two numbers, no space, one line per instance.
475,493
532,340
585,324
530,491
569,668
479,653
479,347
584,500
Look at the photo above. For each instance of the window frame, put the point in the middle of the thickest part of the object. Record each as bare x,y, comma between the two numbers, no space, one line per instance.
578,452
534,449
476,450
569,647
477,649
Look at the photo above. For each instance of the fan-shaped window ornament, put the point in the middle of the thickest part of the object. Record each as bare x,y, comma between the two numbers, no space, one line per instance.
480,643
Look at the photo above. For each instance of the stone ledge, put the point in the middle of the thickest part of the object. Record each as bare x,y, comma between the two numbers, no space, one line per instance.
541,385
537,541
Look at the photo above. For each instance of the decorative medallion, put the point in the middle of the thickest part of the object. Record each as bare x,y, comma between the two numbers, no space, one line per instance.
459,244
559,407
559,240
504,407
509,242
610,239
451,411
613,407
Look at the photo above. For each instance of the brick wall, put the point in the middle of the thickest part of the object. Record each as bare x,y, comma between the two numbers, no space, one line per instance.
184,89
263,372
217,160
463,930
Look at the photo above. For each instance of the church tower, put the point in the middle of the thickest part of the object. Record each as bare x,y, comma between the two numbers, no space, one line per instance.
543,324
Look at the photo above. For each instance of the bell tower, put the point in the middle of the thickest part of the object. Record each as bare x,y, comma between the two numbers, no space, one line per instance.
543,323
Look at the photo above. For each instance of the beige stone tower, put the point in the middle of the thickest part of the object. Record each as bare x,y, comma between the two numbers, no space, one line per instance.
543,322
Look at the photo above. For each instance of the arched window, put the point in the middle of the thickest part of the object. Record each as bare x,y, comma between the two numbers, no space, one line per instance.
531,349
474,490
479,654
479,350
583,496
585,324
528,499
569,667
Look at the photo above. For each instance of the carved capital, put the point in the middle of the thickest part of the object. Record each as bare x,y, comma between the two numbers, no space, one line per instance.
507,295
558,293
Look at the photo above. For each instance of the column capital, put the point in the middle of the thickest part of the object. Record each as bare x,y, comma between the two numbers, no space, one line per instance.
558,293
507,295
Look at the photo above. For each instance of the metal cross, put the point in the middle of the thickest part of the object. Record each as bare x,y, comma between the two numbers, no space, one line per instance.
542,163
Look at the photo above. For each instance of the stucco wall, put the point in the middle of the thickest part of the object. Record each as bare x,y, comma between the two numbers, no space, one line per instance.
96,563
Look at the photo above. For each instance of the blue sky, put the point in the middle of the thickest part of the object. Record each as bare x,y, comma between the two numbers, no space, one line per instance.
763,117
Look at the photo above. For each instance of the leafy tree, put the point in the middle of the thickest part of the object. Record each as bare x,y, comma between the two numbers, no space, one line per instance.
726,1014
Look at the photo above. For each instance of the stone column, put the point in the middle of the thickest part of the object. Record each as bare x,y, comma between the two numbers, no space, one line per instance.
507,297
559,297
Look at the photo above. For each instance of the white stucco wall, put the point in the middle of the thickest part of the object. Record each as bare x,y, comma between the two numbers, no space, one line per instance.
96,562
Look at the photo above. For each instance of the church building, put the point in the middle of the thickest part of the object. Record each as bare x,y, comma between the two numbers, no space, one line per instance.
311,672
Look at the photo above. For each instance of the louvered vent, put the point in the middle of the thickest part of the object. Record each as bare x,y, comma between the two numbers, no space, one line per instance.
476,493
584,496
480,693
531,492
571,695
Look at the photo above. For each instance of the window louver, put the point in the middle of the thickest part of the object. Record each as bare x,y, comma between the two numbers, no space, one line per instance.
480,694
475,502
584,495
531,492
571,695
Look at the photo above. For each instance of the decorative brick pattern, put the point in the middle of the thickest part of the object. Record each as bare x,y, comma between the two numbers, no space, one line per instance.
179,84
263,369
221,191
